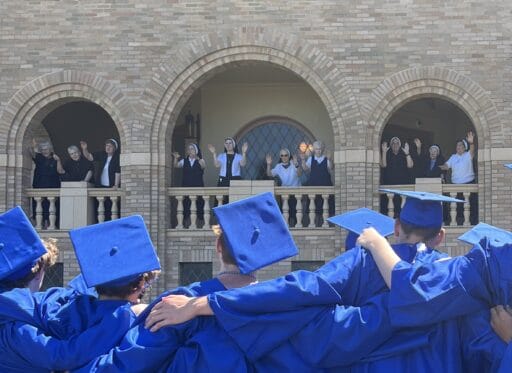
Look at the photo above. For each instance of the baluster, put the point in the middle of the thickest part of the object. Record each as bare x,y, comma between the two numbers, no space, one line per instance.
179,212
286,209
312,210
53,216
206,212
453,210
101,209
300,202
115,207
467,206
391,206
219,200
39,212
193,211
325,210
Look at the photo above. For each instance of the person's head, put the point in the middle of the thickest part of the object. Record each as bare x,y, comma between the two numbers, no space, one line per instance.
421,217
23,256
230,145
116,257
111,145
395,144
254,233
285,156
74,152
434,151
46,149
461,146
33,280
131,290
223,252
318,148
193,151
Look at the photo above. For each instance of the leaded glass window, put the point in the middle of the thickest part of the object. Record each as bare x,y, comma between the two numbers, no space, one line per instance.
195,271
268,136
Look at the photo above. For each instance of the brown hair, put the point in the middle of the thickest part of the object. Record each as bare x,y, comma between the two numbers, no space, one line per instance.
227,257
123,291
45,261
425,234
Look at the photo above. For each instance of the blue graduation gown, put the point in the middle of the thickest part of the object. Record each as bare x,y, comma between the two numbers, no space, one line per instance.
144,351
63,315
24,348
506,362
350,279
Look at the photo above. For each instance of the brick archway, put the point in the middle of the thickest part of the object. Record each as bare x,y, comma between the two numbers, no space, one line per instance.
197,61
416,83
42,95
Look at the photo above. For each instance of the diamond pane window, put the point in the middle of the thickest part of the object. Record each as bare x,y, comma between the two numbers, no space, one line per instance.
268,137
195,271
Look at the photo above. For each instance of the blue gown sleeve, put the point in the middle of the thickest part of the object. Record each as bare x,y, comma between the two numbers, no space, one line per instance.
506,362
293,291
139,351
36,349
482,349
438,291
343,335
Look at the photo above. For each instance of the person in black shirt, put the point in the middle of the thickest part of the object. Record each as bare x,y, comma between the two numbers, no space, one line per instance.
46,175
77,168
193,168
395,163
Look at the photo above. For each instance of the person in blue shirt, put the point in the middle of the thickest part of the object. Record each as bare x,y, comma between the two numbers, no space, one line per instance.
351,279
54,329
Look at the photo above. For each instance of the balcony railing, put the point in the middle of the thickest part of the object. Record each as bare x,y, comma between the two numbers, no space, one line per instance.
451,216
73,205
304,207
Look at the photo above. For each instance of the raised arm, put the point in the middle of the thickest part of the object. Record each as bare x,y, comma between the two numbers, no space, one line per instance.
175,159
384,256
383,155
268,159
60,169
32,150
85,151
212,150
470,137
243,161
408,158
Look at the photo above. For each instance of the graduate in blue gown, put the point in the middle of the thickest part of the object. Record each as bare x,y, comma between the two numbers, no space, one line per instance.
242,250
350,279
59,325
447,289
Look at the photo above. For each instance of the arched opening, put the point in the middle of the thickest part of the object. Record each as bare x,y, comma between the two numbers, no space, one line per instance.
428,129
245,101
61,124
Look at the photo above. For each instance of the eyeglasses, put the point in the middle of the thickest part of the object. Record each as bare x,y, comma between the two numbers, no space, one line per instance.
283,155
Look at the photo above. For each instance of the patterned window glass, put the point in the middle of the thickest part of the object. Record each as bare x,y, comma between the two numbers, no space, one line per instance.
53,276
195,271
308,265
268,138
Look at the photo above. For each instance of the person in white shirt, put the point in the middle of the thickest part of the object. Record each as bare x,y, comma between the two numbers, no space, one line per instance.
462,172
288,171
229,162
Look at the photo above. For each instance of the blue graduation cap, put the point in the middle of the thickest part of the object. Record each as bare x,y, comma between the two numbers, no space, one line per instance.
422,209
20,245
255,232
508,165
496,236
115,252
357,220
